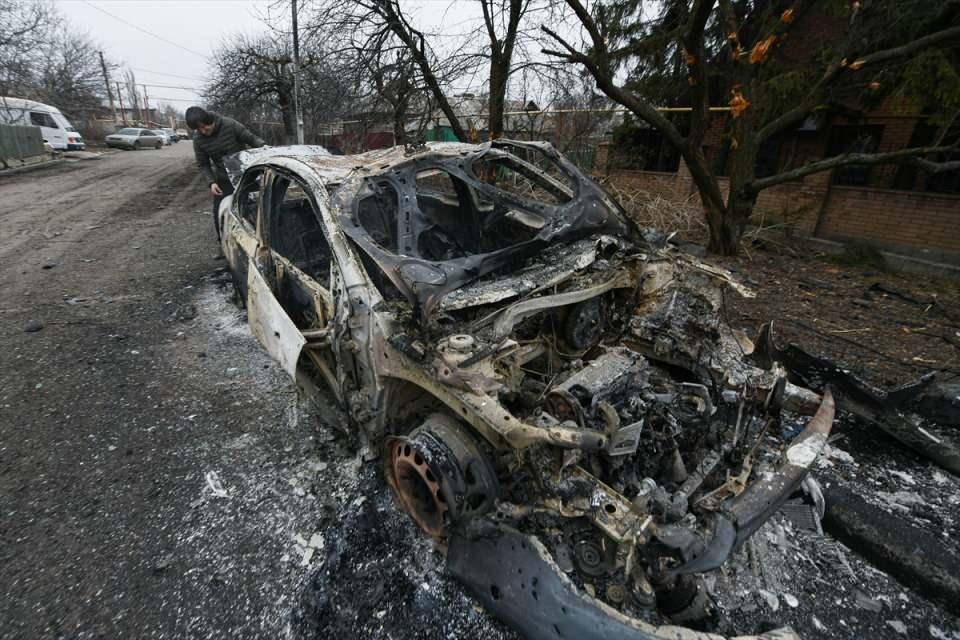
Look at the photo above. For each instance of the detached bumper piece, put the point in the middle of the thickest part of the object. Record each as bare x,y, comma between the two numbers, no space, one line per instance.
516,579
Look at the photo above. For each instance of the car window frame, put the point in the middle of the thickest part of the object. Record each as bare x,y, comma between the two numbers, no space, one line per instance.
266,205
47,120
253,228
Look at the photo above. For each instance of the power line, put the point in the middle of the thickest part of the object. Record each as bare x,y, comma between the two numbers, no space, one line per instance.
142,30
170,86
172,75
158,98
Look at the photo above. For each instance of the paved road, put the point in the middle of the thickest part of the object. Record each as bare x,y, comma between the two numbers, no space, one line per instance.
142,380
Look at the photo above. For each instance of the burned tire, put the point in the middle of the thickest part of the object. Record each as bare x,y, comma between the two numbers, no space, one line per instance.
440,474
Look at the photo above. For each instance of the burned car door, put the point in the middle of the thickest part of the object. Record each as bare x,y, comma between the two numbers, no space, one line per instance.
300,266
239,228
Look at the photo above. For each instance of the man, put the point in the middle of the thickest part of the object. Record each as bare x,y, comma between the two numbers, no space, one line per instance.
215,138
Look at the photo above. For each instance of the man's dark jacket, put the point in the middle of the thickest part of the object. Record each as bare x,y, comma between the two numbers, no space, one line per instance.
229,136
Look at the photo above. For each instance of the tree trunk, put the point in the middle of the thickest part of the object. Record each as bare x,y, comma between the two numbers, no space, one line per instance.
498,91
399,126
728,223
285,101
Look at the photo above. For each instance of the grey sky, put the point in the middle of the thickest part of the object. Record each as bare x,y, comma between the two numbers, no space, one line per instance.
200,26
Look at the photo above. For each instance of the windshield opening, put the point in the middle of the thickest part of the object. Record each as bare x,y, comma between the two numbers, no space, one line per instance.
527,173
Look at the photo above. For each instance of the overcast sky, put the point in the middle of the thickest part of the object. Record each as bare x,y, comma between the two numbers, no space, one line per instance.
186,32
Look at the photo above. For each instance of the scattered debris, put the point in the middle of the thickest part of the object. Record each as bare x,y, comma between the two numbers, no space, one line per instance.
865,602
163,563
215,486
897,626
33,326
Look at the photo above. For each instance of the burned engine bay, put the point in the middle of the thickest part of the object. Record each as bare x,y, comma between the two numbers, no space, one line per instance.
616,422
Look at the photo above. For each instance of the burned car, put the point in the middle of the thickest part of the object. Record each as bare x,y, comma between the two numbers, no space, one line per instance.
554,395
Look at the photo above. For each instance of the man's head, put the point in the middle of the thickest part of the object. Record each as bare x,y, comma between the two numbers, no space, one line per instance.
200,119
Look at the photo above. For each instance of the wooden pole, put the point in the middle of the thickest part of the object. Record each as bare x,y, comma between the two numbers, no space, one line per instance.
106,80
146,105
123,112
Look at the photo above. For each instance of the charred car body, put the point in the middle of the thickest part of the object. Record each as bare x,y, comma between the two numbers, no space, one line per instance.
554,394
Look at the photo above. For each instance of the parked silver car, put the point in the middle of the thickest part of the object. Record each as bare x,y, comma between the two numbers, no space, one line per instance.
133,138
163,136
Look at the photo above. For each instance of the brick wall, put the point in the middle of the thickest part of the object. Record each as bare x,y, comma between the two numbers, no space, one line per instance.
926,225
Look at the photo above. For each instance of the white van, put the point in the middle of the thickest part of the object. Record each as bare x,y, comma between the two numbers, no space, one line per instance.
55,128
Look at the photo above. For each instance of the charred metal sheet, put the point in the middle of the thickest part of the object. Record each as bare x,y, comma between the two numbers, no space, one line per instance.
915,556
552,266
889,410
270,324
515,577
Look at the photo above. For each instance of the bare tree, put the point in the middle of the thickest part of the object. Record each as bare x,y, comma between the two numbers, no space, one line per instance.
252,79
696,46
133,98
25,27
396,84
500,43
70,76
247,70
371,32
502,22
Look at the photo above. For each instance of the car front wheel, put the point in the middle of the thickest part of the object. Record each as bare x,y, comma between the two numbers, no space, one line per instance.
159,145
136,146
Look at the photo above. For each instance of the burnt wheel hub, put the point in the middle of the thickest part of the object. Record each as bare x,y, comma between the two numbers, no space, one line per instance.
416,487
439,474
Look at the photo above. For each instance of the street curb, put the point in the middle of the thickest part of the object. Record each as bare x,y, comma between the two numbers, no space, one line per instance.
31,167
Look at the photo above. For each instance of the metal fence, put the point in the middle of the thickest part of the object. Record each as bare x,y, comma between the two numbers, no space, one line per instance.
19,143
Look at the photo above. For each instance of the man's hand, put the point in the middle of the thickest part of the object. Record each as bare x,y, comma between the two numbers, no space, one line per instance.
215,189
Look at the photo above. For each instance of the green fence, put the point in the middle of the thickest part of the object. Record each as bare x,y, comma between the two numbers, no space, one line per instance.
19,143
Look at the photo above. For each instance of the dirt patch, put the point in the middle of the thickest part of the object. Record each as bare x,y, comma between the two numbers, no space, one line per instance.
888,328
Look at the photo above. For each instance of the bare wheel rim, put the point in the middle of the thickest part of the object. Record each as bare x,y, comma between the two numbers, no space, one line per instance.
416,487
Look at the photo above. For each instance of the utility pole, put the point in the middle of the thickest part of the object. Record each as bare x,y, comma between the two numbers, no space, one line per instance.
106,80
146,105
296,74
123,112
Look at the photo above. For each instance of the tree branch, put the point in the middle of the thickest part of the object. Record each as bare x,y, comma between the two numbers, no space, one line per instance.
605,83
835,68
697,65
903,156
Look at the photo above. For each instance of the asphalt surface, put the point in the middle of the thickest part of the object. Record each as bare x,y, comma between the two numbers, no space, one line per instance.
140,383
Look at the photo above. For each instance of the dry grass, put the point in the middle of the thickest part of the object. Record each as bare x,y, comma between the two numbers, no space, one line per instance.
652,210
